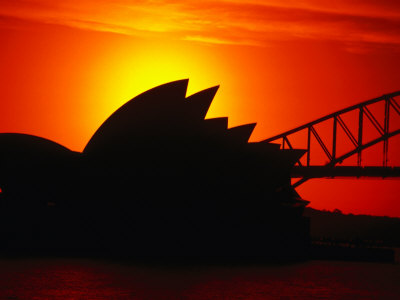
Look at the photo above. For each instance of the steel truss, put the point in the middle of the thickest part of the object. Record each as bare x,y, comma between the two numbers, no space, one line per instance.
330,169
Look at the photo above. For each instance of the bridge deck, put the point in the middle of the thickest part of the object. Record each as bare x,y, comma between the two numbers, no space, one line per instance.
345,171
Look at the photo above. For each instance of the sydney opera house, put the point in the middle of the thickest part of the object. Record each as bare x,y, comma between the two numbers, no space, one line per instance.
156,178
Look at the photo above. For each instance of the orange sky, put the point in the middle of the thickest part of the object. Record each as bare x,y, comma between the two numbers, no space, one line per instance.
65,66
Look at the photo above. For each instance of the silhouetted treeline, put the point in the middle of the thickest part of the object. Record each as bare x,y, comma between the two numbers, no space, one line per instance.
355,229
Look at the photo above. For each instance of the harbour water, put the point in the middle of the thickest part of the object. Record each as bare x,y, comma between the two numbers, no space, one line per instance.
55,278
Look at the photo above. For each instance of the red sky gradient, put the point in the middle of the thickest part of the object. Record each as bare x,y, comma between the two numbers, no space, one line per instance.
65,66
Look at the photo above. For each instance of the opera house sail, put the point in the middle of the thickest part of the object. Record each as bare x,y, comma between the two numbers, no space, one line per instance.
156,178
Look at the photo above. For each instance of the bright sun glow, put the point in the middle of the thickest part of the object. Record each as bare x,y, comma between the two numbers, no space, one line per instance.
125,74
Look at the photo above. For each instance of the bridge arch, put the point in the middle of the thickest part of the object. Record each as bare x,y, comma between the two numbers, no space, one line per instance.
307,170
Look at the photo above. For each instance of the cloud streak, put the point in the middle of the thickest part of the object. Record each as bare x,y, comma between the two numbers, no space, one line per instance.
249,22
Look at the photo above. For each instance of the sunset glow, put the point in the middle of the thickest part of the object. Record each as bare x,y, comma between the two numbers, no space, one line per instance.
66,66
128,75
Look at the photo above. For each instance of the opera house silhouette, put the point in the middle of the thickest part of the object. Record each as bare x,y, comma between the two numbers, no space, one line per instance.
156,178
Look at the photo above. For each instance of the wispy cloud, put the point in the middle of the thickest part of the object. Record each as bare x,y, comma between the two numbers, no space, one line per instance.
248,22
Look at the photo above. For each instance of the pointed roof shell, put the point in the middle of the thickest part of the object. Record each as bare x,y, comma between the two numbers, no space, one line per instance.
141,115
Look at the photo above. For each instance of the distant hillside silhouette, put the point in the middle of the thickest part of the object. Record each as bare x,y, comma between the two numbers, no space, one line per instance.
362,229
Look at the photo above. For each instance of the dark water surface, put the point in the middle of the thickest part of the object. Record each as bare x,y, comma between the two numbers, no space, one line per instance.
101,279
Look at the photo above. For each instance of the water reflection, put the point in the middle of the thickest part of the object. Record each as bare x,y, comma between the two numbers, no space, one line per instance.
95,279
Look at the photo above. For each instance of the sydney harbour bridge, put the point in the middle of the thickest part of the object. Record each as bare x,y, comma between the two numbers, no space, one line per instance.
363,126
